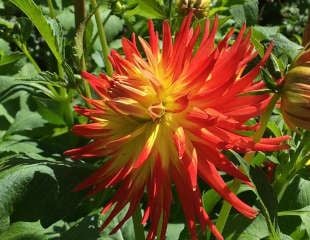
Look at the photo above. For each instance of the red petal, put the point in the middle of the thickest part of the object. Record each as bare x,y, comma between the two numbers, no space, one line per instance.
209,173
180,141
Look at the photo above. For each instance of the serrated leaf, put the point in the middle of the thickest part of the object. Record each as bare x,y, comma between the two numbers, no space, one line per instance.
88,228
66,18
79,37
295,204
286,46
25,120
305,218
240,228
148,9
7,59
245,13
46,27
263,32
24,231
113,27
32,190
14,183
10,145
267,199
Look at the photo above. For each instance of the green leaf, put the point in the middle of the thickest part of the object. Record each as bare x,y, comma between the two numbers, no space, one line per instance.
210,198
19,146
32,190
285,237
66,18
25,120
263,33
88,228
274,128
174,230
14,183
25,81
265,191
48,28
4,47
295,206
229,3
7,59
148,9
305,218
113,27
245,13
241,228
267,199
285,46
24,231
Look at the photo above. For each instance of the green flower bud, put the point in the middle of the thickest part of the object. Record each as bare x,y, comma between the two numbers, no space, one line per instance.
199,7
295,101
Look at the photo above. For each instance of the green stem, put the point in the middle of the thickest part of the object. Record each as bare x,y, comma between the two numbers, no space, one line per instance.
85,83
224,212
24,49
138,227
103,39
51,7
30,58
65,98
80,16
226,207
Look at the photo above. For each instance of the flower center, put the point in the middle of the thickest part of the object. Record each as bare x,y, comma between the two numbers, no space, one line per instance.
157,111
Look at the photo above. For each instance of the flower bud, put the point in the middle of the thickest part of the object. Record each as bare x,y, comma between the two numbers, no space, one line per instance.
199,7
295,103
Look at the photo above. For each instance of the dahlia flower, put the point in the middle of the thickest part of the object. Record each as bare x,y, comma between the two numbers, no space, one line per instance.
163,119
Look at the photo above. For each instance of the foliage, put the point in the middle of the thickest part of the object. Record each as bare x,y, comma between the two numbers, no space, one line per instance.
41,57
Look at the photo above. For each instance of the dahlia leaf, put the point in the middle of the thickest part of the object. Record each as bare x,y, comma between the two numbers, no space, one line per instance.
240,228
267,199
245,13
30,188
25,120
147,9
295,203
24,230
286,46
49,29
11,58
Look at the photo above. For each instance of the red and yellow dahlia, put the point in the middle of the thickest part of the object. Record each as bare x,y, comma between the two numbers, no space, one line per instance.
164,117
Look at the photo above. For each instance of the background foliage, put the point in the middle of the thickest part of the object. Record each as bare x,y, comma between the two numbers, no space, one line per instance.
41,54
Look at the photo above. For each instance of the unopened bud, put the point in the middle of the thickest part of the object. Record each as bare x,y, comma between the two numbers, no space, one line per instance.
295,103
199,7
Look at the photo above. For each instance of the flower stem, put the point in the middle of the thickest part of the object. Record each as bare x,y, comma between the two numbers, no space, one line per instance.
226,207
138,227
103,39
30,58
80,15
79,12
